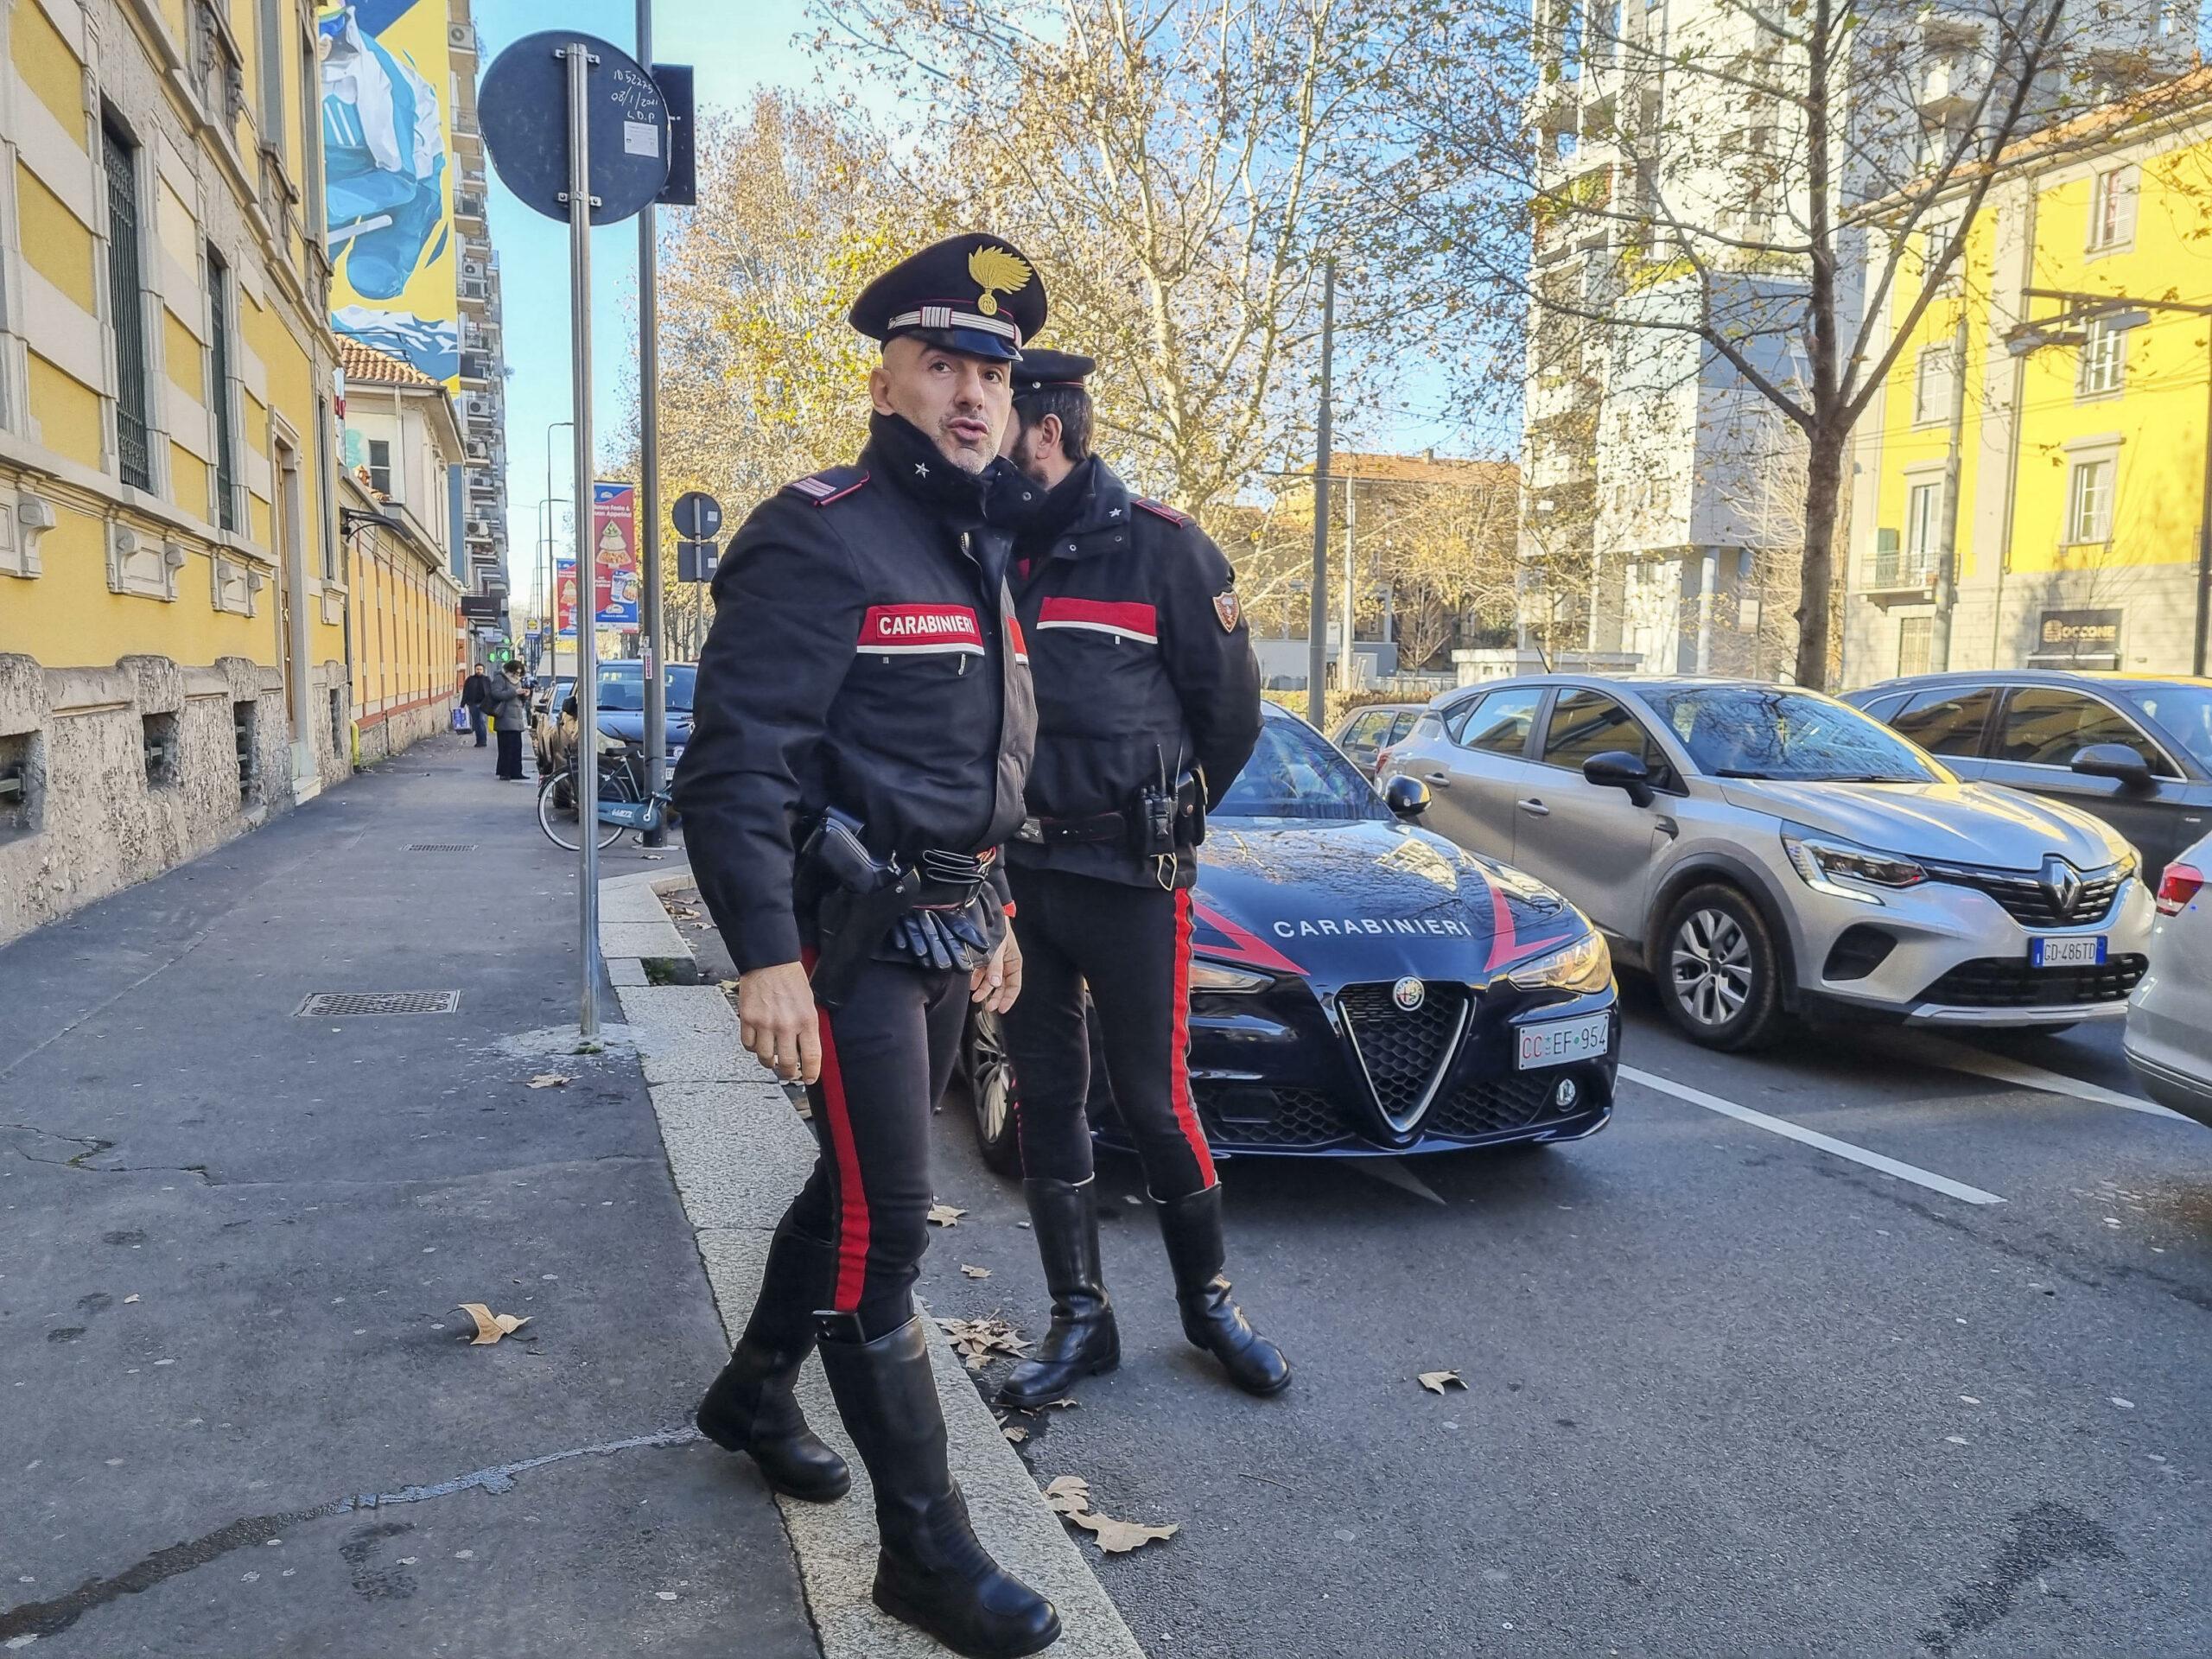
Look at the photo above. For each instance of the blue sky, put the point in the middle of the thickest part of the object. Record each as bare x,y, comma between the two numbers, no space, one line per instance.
734,50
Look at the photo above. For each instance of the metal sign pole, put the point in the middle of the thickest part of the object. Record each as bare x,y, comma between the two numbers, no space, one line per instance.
655,682
580,60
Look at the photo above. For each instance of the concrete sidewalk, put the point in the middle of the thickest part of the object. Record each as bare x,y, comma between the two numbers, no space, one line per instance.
238,1416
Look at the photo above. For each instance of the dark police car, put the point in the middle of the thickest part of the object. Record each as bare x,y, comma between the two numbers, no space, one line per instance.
1359,985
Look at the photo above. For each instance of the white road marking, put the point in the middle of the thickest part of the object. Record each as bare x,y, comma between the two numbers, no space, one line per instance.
1392,1172
1787,1130
1959,1057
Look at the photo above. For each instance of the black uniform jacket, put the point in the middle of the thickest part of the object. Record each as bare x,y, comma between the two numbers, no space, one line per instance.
1143,666
864,655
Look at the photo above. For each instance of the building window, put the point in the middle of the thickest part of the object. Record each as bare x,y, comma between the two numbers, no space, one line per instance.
270,26
2102,369
1921,504
127,309
2112,209
242,727
1914,636
339,746
1933,385
1935,242
2088,500
380,466
21,775
157,740
219,350
217,76
329,543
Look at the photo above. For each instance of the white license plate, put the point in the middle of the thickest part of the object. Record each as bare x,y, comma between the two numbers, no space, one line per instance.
2087,952
1559,1041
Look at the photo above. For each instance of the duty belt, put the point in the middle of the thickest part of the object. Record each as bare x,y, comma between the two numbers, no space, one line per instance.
1074,832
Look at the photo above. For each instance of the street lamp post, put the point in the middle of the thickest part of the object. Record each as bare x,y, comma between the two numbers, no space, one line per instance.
552,563
2081,306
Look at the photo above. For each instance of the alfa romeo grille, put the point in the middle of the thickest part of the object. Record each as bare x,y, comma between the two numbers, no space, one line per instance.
343,1005
1403,1052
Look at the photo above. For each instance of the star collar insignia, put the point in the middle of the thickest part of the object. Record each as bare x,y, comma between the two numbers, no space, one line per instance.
921,469
1113,512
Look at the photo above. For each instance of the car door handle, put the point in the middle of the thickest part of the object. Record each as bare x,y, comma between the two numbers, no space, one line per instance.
1441,779
1535,808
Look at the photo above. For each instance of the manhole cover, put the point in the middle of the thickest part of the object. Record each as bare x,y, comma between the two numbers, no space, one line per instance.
338,1005
442,847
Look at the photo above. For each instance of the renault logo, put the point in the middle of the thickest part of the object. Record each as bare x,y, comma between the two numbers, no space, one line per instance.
1408,993
2062,882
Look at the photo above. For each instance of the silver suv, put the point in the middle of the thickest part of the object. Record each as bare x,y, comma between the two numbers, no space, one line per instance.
1760,849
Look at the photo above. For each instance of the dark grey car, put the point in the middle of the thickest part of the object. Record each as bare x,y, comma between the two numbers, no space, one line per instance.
2134,749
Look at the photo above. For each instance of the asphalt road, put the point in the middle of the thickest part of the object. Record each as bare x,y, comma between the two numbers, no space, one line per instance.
1728,1393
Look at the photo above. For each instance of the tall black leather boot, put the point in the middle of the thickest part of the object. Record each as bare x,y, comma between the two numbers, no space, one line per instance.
931,1573
1082,1341
1191,1228
750,1406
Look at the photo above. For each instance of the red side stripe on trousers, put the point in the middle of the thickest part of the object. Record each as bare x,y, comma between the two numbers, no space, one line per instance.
852,1200
1179,1058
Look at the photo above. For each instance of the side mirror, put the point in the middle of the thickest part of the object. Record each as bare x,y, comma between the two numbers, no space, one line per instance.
2115,760
570,708
1618,769
1407,797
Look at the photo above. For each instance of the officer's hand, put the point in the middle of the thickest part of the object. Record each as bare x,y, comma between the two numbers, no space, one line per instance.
776,1016
998,982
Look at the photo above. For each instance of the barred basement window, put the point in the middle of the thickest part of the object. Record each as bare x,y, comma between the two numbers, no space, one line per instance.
21,777
126,307
242,723
339,746
160,742
226,445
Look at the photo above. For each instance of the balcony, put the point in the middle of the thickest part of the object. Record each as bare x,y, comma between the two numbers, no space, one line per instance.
1900,573
468,204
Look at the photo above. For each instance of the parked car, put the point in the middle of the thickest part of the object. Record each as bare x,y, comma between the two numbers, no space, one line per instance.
621,711
546,702
1365,734
2134,749
2169,1038
1761,849
1360,985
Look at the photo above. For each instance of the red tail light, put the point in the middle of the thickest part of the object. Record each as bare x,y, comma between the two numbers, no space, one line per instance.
2181,884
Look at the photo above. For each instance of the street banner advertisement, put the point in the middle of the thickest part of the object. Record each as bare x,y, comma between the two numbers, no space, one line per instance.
564,597
387,187
614,531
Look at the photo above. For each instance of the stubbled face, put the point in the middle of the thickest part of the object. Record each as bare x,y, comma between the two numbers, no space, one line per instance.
964,403
1033,448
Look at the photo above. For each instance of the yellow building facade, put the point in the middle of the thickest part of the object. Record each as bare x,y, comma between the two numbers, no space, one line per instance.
2078,409
174,607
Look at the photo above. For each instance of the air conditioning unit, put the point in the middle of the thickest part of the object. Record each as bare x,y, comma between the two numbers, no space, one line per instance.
479,449
471,267
475,290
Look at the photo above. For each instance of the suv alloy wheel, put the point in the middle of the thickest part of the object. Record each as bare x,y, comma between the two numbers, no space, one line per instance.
1718,971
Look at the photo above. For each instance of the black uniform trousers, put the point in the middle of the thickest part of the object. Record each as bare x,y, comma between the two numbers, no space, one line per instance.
1133,947
886,1057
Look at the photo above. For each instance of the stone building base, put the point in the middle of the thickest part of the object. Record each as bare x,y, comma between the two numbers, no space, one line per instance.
2047,619
385,735
124,772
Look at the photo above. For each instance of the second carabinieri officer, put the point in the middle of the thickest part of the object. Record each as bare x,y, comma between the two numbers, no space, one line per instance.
863,725
1148,706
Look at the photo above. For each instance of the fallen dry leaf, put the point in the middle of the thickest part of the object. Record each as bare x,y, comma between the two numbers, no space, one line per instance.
978,1342
1063,1404
726,986
491,1326
1068,1494
549,1080
943,1214
1116,1537
1437,1381
974,1271
130,1299
1015,1433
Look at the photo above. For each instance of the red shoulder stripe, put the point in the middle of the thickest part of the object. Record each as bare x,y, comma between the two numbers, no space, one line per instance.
1162,510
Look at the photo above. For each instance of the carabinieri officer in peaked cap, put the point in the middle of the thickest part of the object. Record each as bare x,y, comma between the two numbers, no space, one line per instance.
863,727
1148,706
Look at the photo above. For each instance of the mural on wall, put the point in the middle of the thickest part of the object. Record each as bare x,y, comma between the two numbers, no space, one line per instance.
386,189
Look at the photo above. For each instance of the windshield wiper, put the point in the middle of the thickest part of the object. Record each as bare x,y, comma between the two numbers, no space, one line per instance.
1736,771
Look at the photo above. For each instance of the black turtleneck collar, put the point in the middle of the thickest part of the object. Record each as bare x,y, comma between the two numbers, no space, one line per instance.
902,453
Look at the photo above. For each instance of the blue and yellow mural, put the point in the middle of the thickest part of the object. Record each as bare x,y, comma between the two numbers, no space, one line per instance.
387,179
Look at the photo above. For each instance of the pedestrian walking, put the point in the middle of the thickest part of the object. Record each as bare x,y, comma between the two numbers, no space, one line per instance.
1147,706
475,690
509,715
861,727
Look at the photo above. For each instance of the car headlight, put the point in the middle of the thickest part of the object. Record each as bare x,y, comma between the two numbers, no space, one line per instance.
1585,965
1824,866
1219,977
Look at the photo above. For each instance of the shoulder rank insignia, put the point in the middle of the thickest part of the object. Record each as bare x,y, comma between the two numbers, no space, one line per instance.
1228,608
1162,510
832,484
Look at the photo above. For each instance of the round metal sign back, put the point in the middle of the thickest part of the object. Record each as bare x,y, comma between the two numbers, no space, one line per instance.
523,107
698,516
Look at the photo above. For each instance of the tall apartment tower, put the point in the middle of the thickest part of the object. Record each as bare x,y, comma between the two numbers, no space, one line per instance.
1663,495
482,399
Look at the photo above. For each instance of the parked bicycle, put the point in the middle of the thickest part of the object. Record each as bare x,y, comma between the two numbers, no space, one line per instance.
627,805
